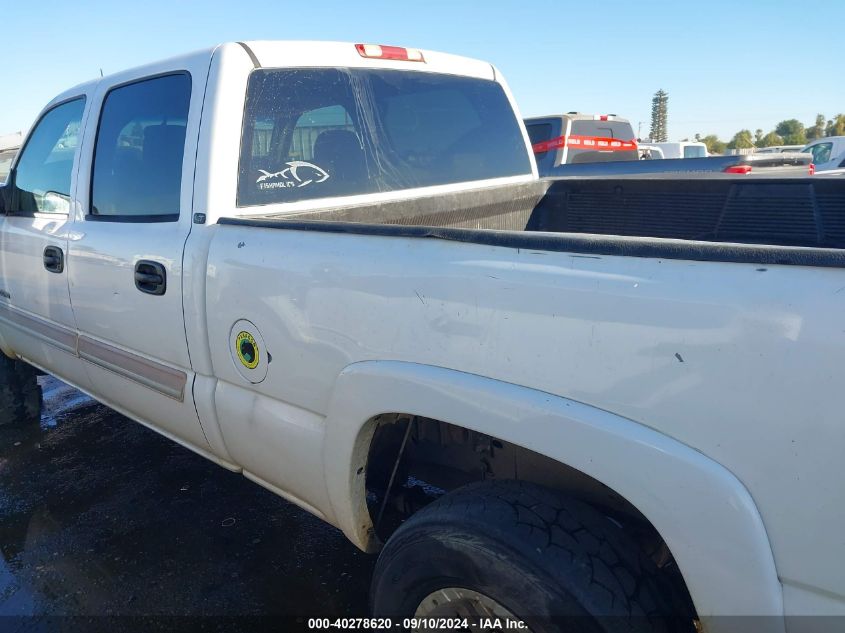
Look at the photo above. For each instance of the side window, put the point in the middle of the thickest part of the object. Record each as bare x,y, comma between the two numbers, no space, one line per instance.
43,173
821,152
137,172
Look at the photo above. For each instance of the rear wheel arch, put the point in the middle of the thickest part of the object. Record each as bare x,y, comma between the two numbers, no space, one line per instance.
701,511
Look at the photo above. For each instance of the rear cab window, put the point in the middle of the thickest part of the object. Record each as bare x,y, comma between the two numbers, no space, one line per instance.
694,151
326,132
592,129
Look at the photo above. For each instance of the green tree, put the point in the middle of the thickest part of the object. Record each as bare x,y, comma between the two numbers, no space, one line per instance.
758,136
817,131
836,126
659,132
772,138
714,145
742,140
792,131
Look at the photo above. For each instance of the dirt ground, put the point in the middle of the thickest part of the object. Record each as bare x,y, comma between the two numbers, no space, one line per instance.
100,516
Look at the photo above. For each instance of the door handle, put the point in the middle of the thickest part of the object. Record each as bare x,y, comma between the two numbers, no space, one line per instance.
54,259
150,277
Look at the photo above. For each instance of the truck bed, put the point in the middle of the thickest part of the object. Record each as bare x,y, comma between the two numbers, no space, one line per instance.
759,220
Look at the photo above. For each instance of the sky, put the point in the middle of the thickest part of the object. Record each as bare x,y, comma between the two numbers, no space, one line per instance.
727,65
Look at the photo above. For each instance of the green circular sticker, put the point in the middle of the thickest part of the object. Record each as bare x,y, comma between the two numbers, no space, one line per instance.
247,350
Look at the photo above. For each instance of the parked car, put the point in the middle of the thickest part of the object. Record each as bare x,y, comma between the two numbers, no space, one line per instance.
828,152
562,139
617,400
9,145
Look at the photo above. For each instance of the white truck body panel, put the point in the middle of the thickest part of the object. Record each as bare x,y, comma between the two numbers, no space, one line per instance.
620,323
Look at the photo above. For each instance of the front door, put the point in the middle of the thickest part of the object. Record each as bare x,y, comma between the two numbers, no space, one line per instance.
34,300
126,249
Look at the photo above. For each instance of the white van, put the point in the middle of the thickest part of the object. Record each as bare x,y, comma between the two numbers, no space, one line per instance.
828,153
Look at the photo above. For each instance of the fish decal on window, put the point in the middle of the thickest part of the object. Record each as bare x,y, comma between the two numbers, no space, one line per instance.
298,173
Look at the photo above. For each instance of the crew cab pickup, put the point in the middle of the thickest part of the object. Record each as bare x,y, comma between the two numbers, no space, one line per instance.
333,268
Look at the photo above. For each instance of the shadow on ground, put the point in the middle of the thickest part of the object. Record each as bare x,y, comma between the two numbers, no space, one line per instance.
101,516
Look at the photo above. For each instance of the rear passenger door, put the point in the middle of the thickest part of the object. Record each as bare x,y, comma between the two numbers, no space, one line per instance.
125,256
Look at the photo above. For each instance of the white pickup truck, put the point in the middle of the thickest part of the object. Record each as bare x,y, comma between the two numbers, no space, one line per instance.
593,405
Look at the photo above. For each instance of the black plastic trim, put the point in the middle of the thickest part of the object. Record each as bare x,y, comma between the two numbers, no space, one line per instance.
576,243
133,219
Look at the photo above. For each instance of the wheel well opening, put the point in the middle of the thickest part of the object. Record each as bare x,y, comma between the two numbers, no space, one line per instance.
412,461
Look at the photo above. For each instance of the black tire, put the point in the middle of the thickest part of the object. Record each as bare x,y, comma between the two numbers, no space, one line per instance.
554,562
20,393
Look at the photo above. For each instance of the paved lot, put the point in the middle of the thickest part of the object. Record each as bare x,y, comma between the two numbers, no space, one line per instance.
100,516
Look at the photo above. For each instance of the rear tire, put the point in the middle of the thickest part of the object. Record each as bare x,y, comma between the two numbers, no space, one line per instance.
20,393
554,562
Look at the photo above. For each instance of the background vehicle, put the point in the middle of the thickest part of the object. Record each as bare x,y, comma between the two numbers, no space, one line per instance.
9,144
828,153
776,149
558,416
649,151
580,138
768,165
682,149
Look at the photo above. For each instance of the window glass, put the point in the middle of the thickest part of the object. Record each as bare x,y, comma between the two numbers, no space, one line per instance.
312,124
314,133
821,152
537,133
694,151
43,173
140,145
602,129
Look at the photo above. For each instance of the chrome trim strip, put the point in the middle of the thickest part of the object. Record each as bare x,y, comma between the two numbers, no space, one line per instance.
166,380
63,338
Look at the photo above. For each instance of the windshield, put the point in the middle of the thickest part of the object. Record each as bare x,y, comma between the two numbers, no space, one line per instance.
315,133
